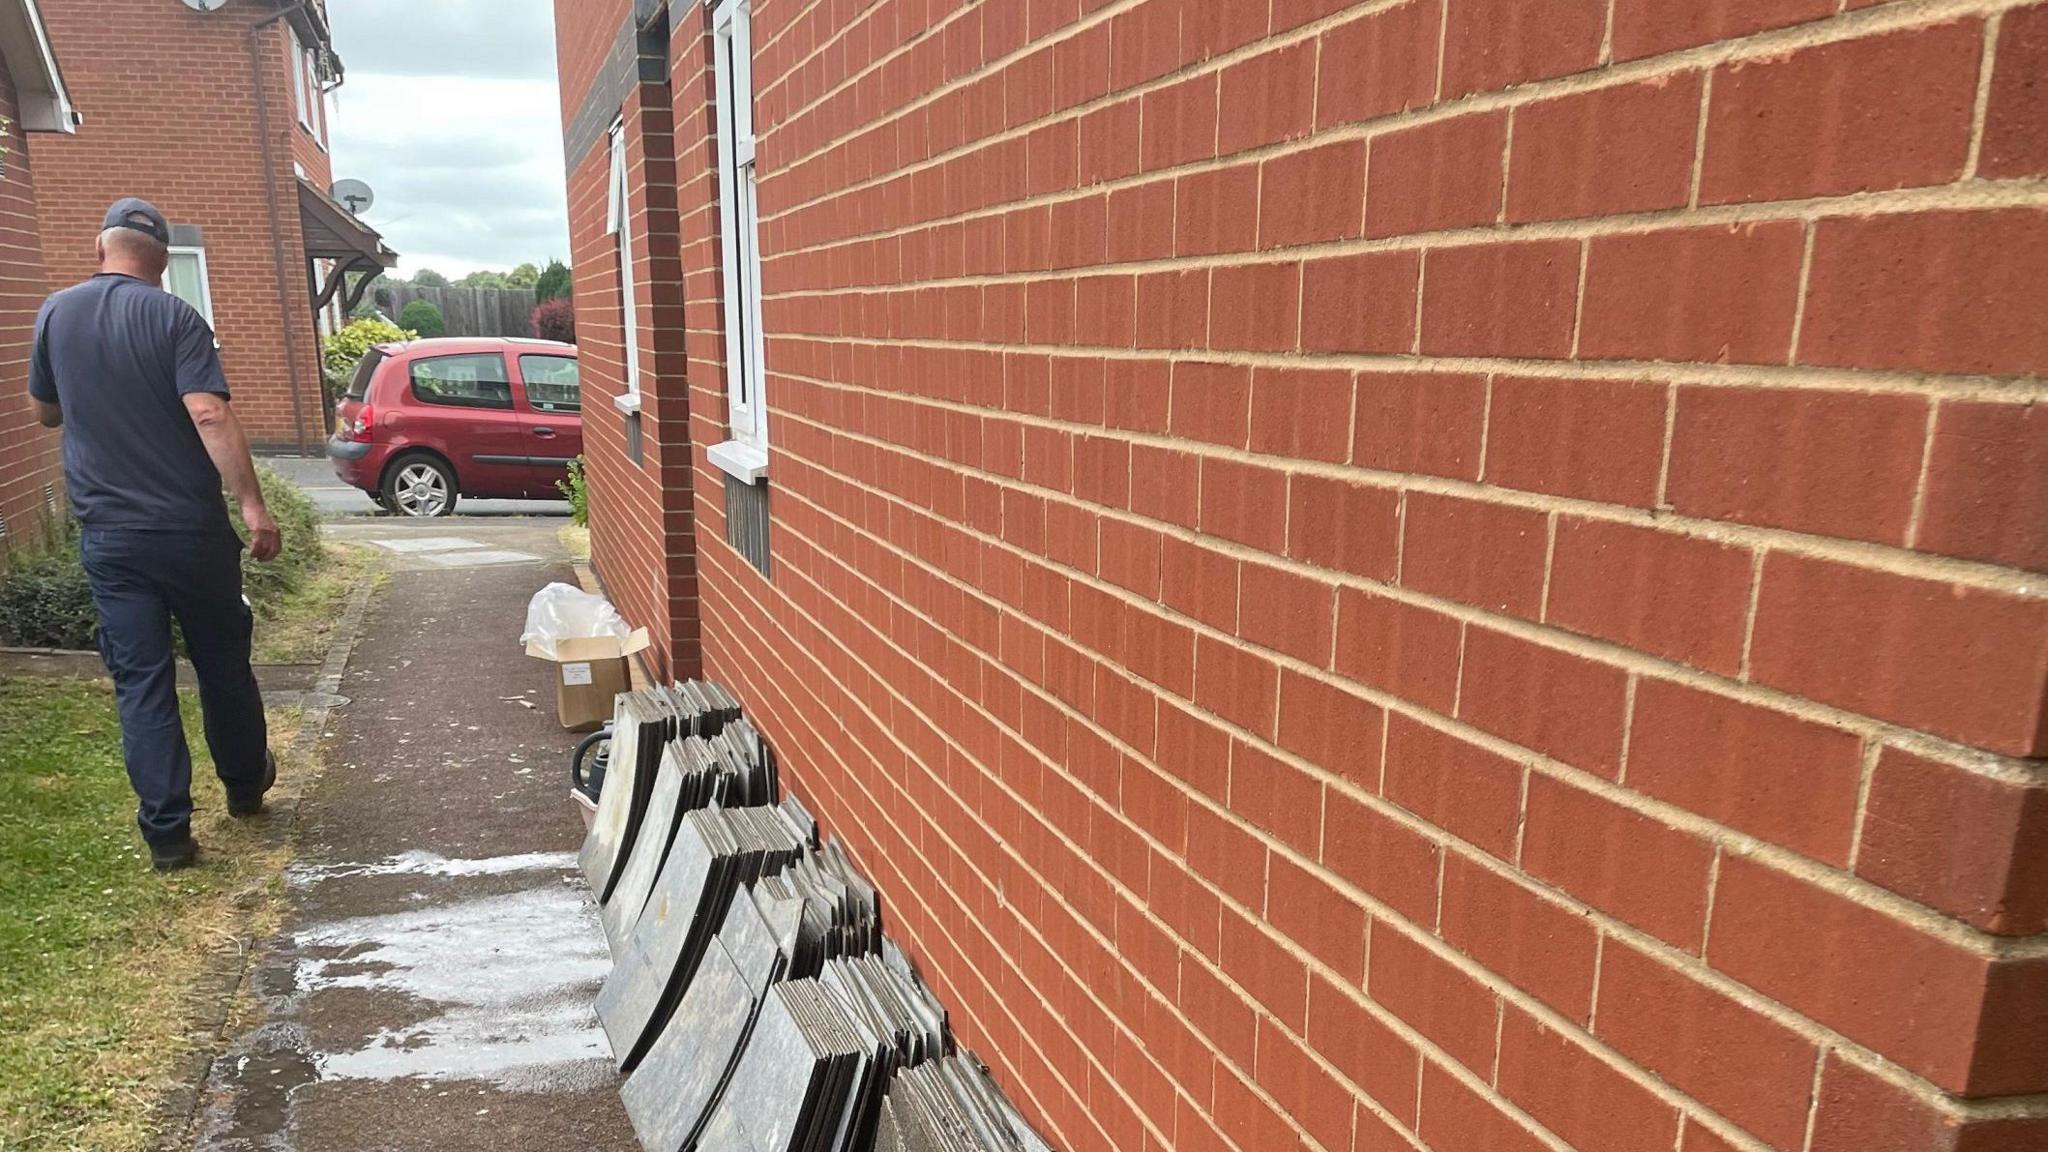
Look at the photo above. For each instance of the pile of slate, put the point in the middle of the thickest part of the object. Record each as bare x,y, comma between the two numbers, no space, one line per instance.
754,1002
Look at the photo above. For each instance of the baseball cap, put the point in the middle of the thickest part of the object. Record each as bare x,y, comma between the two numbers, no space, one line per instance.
140,215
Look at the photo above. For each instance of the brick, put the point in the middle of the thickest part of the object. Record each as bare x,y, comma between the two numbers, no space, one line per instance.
1680,597
1489,556
1144,43
1960,662
1859,1111
1224,852
1217,211
1173,309
1929,292
1945,1013
1749,1068
1434,997
1194,750
1163,484
1142,221
1244,502
1495,44
1564,706
1469,792
1391,862
1775,130
1199,582
1442,175
1455,1116
1239,685
1404,649
1353,528
1597,440
1312,196
1515,299
1709,295
1274,795
1309,1099
1301,412
1179,123
1837,463
1218,1011
1275,977
1360,303
1255,307
1287,612
1986,495
1419,422
1650,28
1365,1050
1330,727
2016,116
1540,947
1268,98
1209,30
1571,1092
1109,142
1608,152
1774,776
1391,60
1212,402
1627,865
1970,845
1326,923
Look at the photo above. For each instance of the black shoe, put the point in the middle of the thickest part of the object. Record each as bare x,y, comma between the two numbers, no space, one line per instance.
254,807
171,857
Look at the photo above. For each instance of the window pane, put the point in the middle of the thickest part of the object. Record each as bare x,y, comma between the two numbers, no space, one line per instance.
477,381
552,383
185,278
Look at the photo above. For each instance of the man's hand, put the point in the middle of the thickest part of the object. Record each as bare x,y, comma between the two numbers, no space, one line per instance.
264,538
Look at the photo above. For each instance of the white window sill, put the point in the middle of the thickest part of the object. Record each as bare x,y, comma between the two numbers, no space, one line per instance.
628,403
740,460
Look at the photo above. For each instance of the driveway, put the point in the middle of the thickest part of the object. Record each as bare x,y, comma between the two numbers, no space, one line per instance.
316,478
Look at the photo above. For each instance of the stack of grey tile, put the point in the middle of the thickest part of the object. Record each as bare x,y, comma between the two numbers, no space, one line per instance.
840,912
797,1086
951,1105
642,723
734,769
715,853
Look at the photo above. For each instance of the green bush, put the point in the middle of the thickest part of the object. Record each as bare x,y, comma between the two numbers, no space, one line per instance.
346,348
45,601
422,317
554,283
576,486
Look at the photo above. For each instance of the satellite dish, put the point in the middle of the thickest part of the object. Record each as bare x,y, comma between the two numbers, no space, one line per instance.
353,195
206,5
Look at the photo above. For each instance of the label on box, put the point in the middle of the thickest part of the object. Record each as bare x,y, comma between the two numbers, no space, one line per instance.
576,673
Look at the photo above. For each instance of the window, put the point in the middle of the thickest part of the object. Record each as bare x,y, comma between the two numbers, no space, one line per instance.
552,383
185,278
366,368
301,64
619,219
745,455
474,381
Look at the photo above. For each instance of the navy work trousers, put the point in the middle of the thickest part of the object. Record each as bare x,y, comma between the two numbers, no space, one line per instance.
141,581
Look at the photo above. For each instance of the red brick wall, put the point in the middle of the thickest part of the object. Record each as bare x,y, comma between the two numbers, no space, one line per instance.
28,451
170,115
1458,574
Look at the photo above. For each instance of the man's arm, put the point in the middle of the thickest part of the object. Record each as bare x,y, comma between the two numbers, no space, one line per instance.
222,434
42,382
47,414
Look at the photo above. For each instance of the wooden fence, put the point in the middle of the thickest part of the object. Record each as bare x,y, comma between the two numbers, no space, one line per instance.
466,311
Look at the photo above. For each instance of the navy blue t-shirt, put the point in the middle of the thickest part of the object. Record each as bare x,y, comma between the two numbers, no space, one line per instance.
118,356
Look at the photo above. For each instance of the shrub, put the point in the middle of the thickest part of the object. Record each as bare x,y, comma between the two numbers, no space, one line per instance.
554,283
555,320
345,349
422,317
527,275
267,583
428,278
576,486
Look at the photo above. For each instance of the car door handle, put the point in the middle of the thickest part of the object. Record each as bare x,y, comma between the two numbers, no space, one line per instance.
544,432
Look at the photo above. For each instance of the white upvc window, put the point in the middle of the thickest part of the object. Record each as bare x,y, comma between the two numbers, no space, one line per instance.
745,454
619,220
185,277
301,65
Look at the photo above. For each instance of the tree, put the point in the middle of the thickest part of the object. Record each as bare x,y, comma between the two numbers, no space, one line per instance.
555,320
554,283
524,276
483,278
422,317
428,278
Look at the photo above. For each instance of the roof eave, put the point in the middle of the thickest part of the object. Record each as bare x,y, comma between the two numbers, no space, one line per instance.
44,103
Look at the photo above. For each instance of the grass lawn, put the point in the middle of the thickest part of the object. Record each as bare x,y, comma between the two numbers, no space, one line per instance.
299,630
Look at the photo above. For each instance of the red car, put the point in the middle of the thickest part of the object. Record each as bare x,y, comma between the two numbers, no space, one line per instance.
427,421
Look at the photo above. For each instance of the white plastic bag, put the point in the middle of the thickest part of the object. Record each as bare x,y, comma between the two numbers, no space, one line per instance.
563,612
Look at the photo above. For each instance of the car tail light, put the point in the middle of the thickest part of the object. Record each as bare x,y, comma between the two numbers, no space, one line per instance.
357,428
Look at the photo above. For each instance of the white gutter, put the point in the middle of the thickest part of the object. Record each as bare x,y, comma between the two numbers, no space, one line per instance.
25,45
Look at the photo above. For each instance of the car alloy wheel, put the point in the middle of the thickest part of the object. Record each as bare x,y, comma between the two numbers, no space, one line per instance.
420,490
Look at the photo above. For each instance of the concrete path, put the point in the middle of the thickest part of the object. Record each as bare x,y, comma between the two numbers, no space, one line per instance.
315,477
432,987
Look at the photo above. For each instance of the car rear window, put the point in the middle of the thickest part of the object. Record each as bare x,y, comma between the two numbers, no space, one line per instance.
359,384
476,380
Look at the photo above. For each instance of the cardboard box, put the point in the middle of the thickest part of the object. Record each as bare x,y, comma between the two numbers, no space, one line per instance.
587,674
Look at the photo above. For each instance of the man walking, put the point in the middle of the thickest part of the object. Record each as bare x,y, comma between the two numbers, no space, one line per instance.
131,374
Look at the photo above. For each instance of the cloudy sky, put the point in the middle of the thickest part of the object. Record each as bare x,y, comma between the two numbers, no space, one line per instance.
449,111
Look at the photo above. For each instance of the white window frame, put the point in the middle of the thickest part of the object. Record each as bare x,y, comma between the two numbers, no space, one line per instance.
299,69
745,454
619,220
205,279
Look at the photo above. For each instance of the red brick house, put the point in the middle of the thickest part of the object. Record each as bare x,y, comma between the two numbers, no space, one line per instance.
34,103
1449,574
219,118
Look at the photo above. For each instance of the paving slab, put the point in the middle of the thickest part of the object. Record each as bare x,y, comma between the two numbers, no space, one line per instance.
432,986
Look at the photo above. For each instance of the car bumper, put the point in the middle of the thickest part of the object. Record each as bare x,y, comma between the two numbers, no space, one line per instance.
354,462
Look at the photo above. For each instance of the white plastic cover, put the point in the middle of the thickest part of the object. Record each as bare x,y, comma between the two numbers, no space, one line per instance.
562,612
